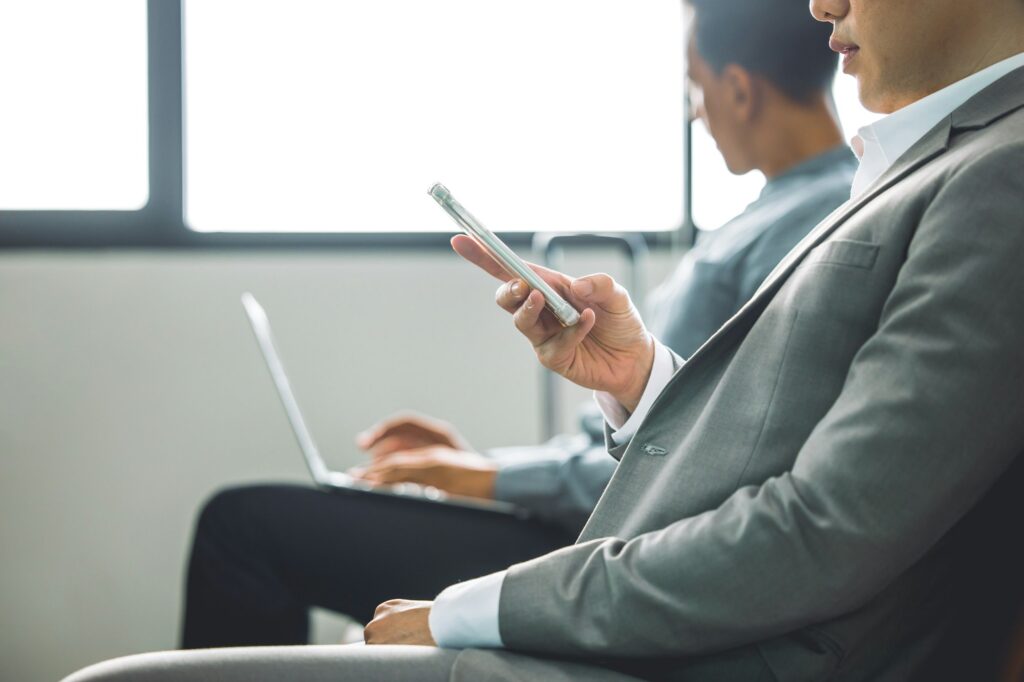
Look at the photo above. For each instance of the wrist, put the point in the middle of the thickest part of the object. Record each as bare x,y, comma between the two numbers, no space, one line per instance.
484,483
477,482
629,397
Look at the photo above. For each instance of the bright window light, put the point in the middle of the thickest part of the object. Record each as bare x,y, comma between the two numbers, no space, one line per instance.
538,115
73,123
719,195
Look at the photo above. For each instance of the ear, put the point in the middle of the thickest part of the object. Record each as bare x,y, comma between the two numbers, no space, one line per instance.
740,90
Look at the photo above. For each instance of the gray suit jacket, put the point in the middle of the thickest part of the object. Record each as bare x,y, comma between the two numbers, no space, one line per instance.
562,480
831,451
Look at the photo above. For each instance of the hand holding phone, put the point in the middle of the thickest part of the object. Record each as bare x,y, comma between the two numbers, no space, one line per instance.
563,311
609,349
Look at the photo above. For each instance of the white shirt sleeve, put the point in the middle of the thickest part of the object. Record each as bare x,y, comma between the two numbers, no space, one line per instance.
465,615
624,423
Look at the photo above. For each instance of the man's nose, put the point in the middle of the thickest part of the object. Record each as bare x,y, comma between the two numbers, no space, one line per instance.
829,10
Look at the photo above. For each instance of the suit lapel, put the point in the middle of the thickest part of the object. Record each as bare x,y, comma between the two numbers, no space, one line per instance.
995,101
927,148
998,99
930,146
1004,96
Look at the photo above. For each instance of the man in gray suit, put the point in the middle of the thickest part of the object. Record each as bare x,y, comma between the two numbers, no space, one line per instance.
258,561
817,492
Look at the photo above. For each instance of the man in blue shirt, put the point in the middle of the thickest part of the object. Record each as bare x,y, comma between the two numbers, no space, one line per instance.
263,555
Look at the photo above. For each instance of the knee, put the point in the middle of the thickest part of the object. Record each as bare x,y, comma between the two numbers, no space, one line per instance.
228,509
235,511
223,506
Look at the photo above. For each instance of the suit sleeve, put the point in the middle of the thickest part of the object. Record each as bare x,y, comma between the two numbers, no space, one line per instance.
931,415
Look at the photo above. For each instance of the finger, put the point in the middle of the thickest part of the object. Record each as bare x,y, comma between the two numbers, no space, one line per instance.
529,322
588,318
411,456
366,439
399,474
560,348
468,248
399,461
406,424
511,298
391,445
603,292
375,470
385,606
511,295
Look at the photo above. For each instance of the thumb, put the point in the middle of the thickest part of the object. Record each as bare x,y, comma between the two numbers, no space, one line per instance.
602,291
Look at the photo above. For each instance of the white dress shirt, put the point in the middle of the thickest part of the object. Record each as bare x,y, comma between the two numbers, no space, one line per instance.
887,139
466,614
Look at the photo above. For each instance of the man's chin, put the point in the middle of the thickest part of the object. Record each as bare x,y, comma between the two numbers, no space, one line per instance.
872,97
737,168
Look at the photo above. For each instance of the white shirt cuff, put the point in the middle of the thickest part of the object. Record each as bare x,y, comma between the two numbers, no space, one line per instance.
615,414
465,615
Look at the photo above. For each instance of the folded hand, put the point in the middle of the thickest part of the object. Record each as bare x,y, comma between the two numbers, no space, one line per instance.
400,621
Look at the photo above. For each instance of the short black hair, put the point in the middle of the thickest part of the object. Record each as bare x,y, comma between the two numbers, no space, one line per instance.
778,40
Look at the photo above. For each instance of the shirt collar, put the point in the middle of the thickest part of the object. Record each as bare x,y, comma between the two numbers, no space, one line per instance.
886,140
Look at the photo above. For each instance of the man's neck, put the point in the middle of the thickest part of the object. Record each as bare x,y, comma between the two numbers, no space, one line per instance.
794,133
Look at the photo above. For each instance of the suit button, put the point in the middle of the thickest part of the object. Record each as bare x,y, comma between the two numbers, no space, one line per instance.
655,450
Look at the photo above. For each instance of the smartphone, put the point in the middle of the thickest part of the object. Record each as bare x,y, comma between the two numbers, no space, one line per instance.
563,311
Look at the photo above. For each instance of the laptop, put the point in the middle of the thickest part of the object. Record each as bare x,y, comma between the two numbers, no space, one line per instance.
337,481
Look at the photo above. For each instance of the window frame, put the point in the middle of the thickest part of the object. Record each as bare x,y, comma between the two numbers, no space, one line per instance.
160,224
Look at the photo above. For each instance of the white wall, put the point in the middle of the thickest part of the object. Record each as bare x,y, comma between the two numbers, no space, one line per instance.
131,388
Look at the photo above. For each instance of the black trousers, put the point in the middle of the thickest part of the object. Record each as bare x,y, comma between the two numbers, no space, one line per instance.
263,555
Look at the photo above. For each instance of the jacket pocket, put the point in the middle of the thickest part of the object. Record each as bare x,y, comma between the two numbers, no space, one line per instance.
843,252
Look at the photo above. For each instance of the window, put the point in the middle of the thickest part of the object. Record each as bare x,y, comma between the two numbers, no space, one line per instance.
315,116
315,122
719,196
73,126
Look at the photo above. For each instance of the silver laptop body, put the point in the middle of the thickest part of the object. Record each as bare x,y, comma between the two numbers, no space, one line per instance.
336,480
